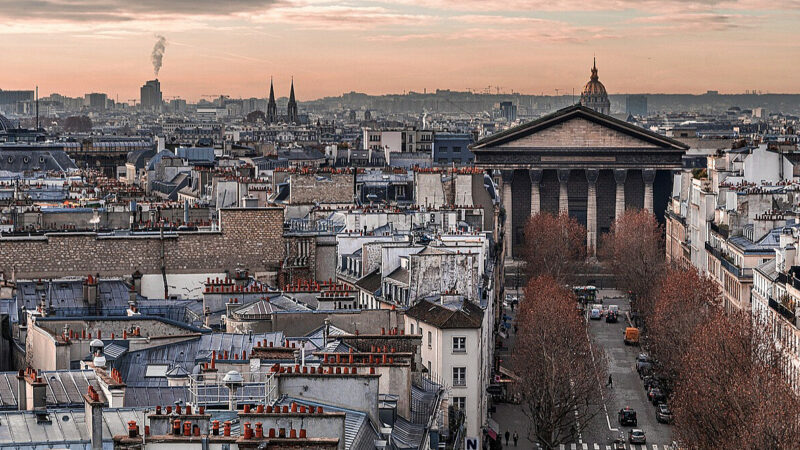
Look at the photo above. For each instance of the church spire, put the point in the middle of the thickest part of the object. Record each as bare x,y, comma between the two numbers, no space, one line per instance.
272,108
292,107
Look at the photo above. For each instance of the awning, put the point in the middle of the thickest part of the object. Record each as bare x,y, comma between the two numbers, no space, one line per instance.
492,428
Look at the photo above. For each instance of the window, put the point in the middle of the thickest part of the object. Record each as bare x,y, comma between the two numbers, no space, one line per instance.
459,376
430,339
156,370
459,344
412,329
456,149
460,403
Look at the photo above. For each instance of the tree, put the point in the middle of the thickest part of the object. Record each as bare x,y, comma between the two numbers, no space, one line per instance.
635,250
560,371
684,301
555,246
256,116
732,392
78,124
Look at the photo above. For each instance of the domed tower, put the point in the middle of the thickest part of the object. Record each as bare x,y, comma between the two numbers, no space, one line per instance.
594,94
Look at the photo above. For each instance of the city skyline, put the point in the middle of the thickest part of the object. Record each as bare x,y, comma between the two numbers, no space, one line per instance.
381,47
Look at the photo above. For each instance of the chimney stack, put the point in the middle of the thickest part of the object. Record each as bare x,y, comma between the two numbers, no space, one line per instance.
94,417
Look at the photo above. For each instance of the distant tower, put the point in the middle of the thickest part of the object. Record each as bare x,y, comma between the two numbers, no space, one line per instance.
272,108
594,94
292,109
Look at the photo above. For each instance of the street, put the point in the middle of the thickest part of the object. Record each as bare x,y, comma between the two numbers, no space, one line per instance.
627,391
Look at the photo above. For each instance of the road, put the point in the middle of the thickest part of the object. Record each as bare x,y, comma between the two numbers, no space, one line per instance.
627,391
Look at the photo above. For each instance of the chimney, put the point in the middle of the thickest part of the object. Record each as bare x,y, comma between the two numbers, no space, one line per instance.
137,282
93,408
90,291
34,395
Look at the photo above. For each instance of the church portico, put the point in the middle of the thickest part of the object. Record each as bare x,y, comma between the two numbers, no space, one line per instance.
593,173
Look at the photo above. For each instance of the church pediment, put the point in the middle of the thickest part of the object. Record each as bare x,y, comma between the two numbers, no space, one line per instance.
577,127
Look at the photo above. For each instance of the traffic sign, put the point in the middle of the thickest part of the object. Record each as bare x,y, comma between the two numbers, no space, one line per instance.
471,443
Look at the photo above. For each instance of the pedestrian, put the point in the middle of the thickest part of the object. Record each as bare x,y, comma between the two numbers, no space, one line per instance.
516,438
610,381
515,329
512,307
507,436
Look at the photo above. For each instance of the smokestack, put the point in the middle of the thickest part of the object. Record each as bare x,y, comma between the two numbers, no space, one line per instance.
158,53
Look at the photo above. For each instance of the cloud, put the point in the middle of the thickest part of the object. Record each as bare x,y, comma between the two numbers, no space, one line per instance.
332,17
125,10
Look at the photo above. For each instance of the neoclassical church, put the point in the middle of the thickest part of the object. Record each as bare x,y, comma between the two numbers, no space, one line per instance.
581,161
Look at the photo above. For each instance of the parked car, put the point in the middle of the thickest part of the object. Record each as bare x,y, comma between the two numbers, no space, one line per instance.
611,317
627,416
656,396
643,357
636,436
594,314
663,414
651,382
644,368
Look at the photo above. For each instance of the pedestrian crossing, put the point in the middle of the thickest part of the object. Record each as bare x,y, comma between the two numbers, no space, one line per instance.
586,446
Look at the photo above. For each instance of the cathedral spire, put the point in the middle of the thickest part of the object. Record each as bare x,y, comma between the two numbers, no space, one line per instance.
292,116
272,108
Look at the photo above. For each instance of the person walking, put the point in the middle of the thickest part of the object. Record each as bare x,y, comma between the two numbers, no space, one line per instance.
507,436
516,438
610,381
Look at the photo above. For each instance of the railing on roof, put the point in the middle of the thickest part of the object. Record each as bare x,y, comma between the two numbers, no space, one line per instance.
726,264
306,225
210,389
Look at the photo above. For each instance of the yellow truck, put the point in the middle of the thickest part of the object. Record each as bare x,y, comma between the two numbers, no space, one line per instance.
631,336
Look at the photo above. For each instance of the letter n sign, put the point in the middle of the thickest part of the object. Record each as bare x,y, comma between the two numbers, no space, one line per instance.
471,443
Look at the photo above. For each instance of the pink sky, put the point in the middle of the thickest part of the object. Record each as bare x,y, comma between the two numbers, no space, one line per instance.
232,47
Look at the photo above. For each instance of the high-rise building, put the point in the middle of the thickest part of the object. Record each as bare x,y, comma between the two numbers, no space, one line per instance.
636,105
11,97
151,96
594,94
508,110
291,113
96,100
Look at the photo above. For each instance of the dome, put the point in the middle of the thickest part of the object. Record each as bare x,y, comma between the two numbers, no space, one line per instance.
5,124
594,94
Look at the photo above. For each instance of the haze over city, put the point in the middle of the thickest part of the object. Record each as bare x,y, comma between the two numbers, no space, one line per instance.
376,47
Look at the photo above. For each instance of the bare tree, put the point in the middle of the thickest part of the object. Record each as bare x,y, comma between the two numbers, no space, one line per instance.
732,393
560,370
684,301
635,250
555,246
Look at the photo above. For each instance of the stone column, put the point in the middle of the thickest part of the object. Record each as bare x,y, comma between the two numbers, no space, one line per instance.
508,177
649,176
563,196
591,212
536,198
619,176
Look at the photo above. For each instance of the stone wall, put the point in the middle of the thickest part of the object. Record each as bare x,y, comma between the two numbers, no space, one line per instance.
250,239
332,188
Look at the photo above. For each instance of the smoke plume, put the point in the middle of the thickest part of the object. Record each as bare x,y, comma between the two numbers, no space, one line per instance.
158,53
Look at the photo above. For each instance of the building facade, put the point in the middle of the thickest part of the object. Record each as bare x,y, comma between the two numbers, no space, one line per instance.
581,162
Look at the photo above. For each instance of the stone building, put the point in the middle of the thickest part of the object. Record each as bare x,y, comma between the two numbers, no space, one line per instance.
581,162
594,95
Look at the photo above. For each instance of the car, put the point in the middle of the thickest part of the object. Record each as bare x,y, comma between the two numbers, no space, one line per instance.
594,314
644,369
663,414
656,396
636,436
614,308
643,357
598,307
611,317
627,416
651,382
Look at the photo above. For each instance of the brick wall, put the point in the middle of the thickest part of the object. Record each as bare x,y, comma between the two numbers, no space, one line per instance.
248,238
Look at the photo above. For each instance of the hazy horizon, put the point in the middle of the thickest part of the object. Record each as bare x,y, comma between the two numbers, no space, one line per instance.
382,47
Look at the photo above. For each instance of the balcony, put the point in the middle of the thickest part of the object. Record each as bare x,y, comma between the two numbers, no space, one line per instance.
727,264
782,310
721,230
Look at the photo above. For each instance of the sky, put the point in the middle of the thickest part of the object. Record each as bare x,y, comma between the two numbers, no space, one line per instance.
233,47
